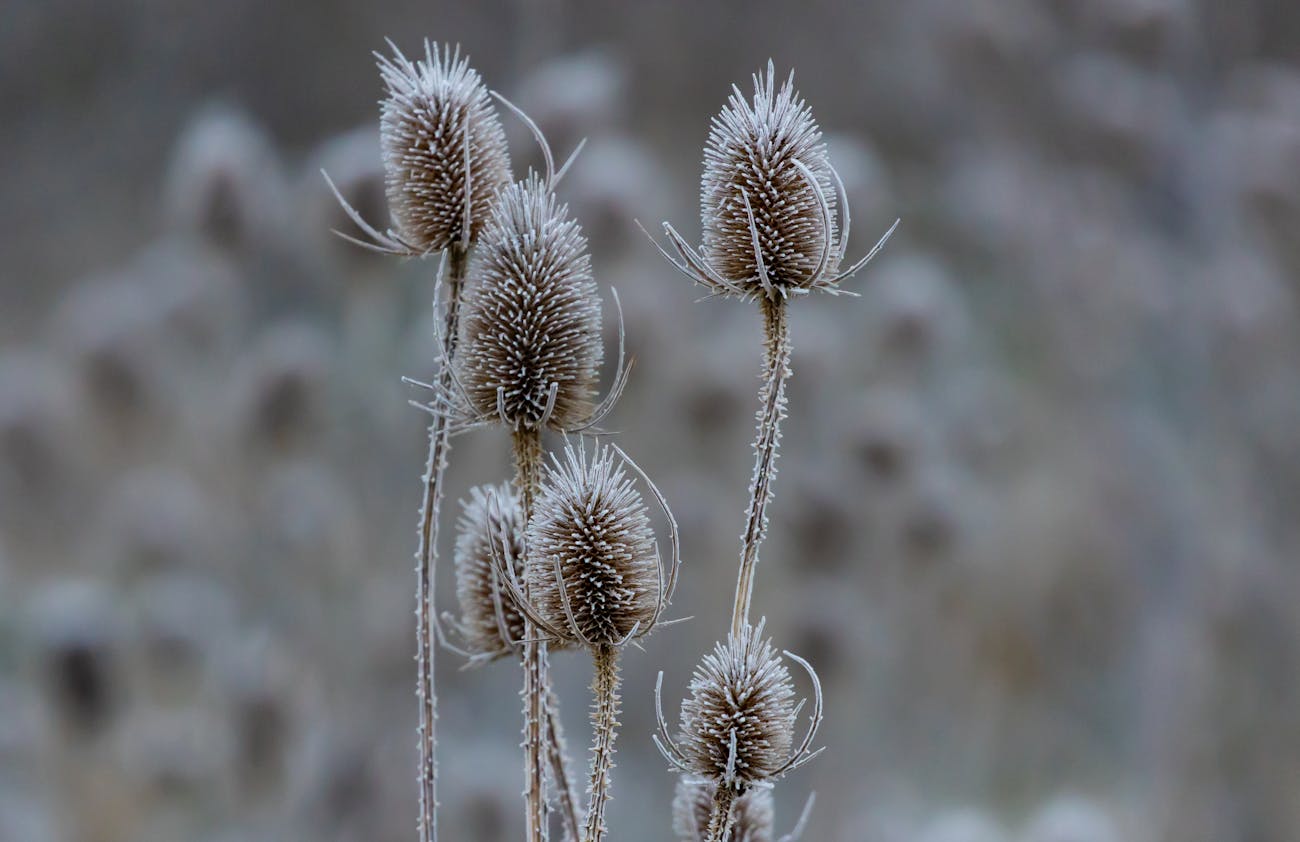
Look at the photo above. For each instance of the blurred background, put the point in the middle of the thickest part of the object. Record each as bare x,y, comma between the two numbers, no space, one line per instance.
1038,516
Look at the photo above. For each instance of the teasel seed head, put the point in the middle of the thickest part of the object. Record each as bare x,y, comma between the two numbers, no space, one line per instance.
752,172
489,532
738,723
530,337
442,141
594,567
694,803
768,201
444,153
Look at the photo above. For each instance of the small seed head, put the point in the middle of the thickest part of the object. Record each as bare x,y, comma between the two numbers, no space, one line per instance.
492,513
590,518
751,156
532,319
741,688
442,139
693,805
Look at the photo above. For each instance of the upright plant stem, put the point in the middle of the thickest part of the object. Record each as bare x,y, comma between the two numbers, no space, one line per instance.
426,554
723,815
604,722
776,360
528,465
559,764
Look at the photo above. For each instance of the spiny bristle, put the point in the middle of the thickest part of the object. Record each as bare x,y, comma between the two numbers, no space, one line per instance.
743,689
492,513
591,520
753,186
530,338
694,803
441,136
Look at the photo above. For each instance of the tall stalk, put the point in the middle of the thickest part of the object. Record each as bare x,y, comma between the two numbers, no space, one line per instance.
604,723
528,464
426,554
776,371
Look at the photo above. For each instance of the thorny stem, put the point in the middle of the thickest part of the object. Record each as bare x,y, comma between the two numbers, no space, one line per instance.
426,554
559,768
604,722
528,465
776,361
723,815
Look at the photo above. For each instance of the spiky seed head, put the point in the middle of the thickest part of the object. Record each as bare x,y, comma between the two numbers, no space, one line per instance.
591,519
492,512
742,688
751,154
693,805
532,319
441,136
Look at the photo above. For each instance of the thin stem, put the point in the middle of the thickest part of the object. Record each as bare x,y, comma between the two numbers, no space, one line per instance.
776,354
559,764
426,554
528,465
723,815
604,723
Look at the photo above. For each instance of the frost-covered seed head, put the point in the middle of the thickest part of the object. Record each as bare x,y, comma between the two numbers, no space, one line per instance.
433,110
532,319
751,153
693,805
491,512
742,687
591,519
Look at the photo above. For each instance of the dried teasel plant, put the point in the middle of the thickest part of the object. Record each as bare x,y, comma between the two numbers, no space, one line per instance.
596,580
770,232
444,157
564,555
776,224
530,361
491,526
737,728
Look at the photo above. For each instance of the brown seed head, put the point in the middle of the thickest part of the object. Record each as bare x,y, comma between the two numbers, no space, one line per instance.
492,513
693,805
591,520
530,340
441,140
743,689
766,175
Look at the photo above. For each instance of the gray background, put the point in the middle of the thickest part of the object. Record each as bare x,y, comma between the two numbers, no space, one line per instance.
1036,521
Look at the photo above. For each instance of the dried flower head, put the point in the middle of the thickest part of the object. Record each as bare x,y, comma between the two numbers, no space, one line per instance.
737,725
693,805
530,337
489,532
444,152
594,570
765,167
768,200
